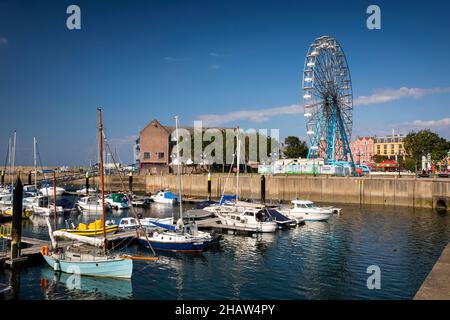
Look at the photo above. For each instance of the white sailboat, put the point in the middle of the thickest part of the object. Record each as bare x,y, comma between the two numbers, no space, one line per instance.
89,259
182,237
246,215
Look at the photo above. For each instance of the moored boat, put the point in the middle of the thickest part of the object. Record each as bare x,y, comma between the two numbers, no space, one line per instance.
164,197
307,210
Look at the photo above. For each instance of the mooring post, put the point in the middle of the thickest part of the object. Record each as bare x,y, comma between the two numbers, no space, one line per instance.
16,226
130,182
29,178
209,185
87,182
263,189
3,178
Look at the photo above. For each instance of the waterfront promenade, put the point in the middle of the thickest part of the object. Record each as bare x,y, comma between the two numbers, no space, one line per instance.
437,285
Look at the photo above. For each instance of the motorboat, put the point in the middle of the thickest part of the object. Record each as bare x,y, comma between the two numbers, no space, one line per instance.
86,191
6,200
41,207
91,204
140,201
49,191
164,197
249,217
308,211
117,201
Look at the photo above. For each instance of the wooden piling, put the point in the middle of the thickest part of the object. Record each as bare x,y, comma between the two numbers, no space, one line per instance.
3,178
16,226
209,185
263,189
130,182
87,183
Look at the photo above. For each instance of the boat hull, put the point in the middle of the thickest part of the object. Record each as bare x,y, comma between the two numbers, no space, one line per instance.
91,233
112,268
191,246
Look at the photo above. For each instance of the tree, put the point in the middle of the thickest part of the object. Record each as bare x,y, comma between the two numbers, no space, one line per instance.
422,143
295,148
378,158
408,164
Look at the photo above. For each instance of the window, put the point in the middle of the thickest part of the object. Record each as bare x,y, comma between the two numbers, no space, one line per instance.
146,155
160,155
400,146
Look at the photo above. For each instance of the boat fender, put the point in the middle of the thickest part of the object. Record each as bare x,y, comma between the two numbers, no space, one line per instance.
56,266
44,250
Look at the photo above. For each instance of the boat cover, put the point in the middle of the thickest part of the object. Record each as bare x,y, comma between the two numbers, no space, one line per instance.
277,216
169,195
226,198
165,226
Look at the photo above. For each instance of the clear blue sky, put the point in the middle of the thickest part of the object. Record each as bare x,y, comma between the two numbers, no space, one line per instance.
154,59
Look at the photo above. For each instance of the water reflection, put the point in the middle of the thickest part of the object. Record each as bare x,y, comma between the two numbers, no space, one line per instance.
319,260
58,285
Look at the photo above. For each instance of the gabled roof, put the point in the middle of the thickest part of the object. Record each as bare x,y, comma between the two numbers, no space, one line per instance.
155,122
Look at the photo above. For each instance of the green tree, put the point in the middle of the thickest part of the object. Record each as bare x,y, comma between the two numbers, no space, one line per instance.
408,164
295,148
422,143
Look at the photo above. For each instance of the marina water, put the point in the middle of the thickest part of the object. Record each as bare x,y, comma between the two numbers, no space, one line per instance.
318,260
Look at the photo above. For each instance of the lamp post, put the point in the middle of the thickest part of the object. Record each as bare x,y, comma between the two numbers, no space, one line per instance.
398,161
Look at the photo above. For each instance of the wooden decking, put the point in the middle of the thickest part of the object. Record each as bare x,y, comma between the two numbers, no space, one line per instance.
437,284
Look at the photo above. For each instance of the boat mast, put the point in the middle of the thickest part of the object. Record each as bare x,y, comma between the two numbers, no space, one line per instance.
14,154
238,156
178,168
35,163
9,158
102,176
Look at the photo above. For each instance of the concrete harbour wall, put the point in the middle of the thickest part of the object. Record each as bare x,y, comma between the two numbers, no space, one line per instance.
403,191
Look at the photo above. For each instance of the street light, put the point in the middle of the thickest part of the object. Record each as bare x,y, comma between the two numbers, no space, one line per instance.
398,161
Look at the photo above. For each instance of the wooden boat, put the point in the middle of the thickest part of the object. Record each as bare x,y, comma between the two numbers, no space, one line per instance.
86,258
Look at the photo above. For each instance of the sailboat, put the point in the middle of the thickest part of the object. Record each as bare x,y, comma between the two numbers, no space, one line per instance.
252,217
89,256
182,237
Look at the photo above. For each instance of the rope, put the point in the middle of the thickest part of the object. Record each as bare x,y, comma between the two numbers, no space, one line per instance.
128,196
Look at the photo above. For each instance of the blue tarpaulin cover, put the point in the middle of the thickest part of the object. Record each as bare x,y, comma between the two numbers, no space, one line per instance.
277,215
165,226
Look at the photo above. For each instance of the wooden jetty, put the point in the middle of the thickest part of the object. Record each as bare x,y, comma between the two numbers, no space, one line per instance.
437,285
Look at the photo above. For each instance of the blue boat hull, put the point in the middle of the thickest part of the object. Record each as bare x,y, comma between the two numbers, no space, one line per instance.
118,268
192,246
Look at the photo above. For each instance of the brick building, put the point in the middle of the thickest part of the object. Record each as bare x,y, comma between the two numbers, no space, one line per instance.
154,145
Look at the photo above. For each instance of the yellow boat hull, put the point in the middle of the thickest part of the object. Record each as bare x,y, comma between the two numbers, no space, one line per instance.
92,233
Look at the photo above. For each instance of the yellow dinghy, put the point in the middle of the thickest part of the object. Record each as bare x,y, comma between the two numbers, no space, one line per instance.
26,213
92,229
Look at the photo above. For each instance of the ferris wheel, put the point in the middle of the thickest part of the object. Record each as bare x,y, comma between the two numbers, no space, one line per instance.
328,101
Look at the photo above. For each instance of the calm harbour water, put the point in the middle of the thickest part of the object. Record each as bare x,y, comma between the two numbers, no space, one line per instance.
319,260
